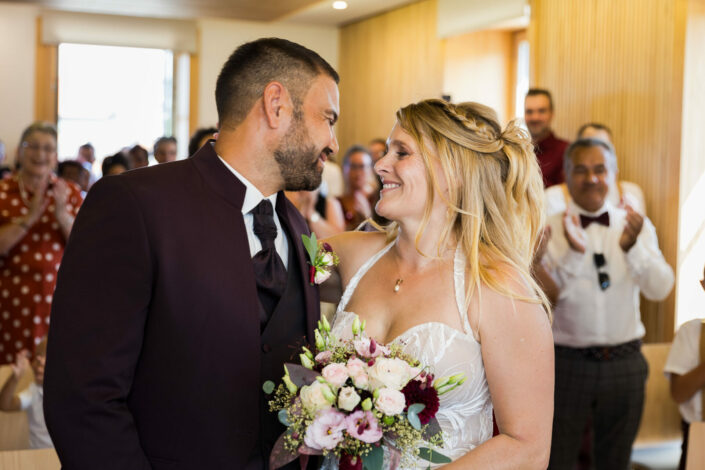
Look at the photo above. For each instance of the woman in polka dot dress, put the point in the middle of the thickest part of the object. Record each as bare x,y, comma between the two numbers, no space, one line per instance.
37,210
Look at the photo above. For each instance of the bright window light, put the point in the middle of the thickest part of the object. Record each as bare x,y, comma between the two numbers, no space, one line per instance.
113,97
340,5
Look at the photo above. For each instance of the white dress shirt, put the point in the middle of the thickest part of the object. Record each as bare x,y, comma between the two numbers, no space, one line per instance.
253,197
555,196
684,357
585,315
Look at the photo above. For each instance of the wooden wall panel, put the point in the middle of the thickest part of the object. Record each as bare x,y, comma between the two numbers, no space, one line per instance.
386,62
621,63
46,79
479,66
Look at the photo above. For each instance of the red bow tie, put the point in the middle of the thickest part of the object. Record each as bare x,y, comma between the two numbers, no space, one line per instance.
603,219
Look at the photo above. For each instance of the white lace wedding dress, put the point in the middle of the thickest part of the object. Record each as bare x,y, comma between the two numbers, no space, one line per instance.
465,414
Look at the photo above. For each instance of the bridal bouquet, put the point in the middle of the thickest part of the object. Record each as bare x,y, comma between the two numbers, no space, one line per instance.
358,402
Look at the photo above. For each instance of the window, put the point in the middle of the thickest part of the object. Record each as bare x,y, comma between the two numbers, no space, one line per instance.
113,97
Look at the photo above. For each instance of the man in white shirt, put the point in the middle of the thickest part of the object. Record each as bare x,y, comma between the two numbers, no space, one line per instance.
685,368
600,258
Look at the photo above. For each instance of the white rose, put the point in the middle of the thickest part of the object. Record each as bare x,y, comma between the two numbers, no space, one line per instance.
327,259
321,276
313,397
390,373
390,402
348,399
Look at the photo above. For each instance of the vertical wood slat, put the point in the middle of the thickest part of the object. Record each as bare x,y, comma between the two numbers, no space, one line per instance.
46,79
386,62
621,63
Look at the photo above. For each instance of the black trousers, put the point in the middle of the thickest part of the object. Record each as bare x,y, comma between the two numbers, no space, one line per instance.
611,393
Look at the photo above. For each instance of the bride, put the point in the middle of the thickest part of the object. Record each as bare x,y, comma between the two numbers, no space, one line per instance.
450,278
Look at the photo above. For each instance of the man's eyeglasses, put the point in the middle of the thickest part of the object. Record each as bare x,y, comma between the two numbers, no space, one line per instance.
36,147
603,279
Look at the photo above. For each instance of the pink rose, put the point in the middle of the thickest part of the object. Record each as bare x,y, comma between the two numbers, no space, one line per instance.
369,348
324,357
363,425
390,402
357,370
326,431
335,374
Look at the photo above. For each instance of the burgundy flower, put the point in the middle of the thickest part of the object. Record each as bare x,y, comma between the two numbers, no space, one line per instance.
327,248
420,392
311,274
350,462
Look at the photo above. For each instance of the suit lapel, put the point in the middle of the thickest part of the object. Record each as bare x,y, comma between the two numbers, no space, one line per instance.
296,226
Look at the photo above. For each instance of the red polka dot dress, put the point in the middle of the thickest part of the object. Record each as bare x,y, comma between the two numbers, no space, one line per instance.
28,271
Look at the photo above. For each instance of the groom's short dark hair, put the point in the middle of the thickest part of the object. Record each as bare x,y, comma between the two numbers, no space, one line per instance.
254,65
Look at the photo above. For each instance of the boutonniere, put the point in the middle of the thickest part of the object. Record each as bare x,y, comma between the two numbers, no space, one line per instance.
322,259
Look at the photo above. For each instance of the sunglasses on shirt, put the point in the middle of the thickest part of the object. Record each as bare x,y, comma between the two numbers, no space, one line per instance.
603,279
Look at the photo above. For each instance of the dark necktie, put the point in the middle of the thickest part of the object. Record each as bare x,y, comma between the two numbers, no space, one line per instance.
270,273
603,219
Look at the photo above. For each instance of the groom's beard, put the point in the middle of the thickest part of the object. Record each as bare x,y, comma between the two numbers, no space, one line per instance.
297,158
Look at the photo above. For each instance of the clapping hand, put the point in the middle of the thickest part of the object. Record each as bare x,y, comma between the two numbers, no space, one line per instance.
21,365
632,227
574,233
61,197
38,204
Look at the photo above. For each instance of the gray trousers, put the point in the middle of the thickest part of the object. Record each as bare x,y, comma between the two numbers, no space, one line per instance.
609,391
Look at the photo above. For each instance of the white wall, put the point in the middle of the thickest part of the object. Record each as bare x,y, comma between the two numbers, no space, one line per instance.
219,38
18,29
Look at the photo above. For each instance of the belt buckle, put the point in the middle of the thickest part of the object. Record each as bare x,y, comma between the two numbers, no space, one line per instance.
606,353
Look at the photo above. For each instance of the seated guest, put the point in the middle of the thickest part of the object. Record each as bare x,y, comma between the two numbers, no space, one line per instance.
30,400
619,192
86,157
685,367
538,114
359,199
115,164
200,137
600,258
137,157
72,170
323,214
165,149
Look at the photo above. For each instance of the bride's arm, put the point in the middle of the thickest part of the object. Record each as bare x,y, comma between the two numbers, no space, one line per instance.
517,350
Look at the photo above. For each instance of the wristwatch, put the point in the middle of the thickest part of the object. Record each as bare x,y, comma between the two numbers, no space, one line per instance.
315,217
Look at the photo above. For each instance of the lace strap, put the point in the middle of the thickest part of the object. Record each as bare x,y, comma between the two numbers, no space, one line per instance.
459,279
352,285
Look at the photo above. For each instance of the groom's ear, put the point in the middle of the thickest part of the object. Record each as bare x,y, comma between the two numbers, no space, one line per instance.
277,105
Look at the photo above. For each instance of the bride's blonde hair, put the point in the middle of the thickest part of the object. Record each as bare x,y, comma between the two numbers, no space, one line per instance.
495,191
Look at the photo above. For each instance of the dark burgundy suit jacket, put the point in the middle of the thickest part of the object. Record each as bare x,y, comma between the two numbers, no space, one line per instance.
154,347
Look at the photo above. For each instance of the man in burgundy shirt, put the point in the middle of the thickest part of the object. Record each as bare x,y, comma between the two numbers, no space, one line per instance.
538,112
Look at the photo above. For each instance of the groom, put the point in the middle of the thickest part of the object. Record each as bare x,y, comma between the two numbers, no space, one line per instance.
183,286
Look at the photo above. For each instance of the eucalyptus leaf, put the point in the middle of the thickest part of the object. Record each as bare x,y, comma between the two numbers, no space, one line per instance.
311,246
414,420
433,456
374,459
283,418
416,408
268,387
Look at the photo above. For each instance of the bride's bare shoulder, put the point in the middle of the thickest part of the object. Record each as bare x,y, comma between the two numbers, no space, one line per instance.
354,248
